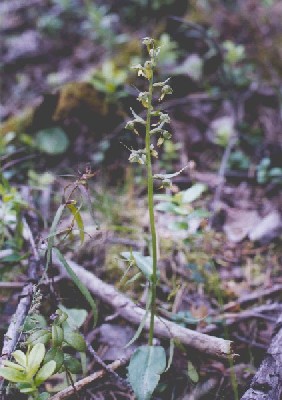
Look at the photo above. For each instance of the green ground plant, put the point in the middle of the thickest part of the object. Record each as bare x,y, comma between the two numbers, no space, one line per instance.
11,227
149,361
47,354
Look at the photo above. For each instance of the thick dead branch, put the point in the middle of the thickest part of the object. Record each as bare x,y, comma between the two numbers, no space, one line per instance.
267,383
164,328
86,381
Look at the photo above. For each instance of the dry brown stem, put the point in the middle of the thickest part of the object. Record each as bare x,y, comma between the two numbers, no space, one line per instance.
164,328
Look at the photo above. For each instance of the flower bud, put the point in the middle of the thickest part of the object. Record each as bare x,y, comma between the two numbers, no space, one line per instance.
130,125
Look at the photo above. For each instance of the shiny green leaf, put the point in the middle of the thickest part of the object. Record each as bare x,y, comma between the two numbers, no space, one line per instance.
56,354
75,340
72,364
144,370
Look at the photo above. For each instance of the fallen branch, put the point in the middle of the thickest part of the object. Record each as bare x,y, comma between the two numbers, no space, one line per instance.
81,384
164,328
267,382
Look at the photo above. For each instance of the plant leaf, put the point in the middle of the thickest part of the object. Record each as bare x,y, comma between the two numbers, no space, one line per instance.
76,317
12,375
192,372
75,340
56,354
11,364
133,279
144,263
34,359
79,284
143,321
193,193
43,396
20,357
77,217
52,141
39,336
83,361
171,352
144,370
72,364
45,372
53,229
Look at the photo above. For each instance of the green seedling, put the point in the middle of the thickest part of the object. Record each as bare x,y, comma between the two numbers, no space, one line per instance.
47,354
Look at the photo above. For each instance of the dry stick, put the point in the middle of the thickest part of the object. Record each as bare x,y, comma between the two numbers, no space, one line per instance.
128,310
267,382
202,389
81,384
104,365
257,295
11,285
256,312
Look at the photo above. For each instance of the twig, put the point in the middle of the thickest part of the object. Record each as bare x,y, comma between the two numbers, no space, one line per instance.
104,365
256,312
128,310
81,384
11,285
250,298
202,389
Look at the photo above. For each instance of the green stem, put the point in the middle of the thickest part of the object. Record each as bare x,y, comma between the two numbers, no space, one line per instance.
150,188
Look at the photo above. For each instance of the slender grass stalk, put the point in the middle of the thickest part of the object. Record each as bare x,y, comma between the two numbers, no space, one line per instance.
144,156
150,194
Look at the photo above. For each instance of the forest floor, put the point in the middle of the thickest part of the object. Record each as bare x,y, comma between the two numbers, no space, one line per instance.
65,75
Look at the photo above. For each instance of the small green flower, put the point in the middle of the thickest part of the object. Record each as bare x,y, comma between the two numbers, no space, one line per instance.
143,97
166,89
